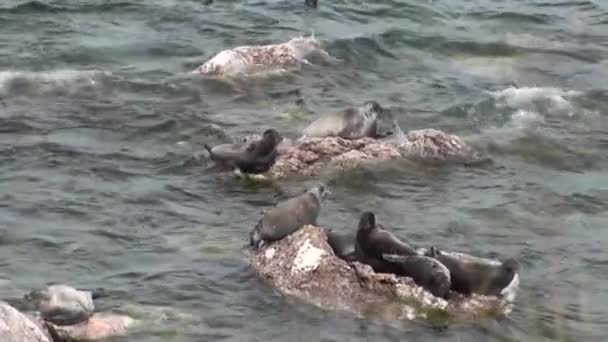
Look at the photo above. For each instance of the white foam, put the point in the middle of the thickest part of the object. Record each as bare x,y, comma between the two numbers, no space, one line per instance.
49,80
527,98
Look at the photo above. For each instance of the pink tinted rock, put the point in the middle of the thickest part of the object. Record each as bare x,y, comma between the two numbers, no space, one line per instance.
97,327
303,266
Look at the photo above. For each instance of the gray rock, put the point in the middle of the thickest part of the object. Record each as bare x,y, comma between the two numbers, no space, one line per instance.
17,327
62,304
303,265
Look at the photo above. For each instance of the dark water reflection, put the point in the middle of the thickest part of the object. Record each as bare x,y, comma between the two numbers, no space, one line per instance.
99,123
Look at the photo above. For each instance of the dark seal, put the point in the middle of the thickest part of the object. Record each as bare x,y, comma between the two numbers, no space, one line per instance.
475,275
343,245
251,157
372,241
426,272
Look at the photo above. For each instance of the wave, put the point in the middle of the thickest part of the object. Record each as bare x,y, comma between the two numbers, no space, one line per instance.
30,7
50,82
538,99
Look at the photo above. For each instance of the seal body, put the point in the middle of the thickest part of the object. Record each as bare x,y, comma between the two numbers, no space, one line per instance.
288,216
351,123
373,241
62,304
475,275
252,59
256,156
343,245
426,272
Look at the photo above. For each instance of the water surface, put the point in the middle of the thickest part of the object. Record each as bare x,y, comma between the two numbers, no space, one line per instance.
99,123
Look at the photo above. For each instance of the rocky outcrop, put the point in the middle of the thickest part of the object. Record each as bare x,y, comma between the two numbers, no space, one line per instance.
17,327
310,156
303,265
262,59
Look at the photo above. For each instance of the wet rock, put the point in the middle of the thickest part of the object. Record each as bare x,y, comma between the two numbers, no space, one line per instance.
62,304
97,327
17,327
303,265
259,59
310,156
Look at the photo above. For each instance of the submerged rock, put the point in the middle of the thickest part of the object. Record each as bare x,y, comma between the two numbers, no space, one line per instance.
259,59
303,265
97,327
17,327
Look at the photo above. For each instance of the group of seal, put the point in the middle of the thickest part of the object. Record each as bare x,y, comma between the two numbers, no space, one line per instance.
436,271
258,156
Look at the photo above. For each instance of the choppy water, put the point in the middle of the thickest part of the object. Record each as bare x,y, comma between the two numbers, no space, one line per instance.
99,122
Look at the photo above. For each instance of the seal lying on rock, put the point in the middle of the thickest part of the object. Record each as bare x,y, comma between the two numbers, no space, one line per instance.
426,272
475,275
62,304
303,266
373,241
343,245
286,217
351,123
247,60
255,156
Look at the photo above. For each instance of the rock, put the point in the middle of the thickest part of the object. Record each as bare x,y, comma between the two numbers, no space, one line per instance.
310,156
260,59
97,327
62,304
17,327
303,265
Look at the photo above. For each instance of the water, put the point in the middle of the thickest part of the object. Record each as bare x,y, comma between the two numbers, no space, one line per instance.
99,122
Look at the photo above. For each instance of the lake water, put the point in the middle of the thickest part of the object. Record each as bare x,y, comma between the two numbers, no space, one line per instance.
99,122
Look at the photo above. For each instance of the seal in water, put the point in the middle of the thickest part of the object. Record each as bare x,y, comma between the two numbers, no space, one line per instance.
288,216
343,245
252,157
372,241
475,275
426,272
351,123
62,304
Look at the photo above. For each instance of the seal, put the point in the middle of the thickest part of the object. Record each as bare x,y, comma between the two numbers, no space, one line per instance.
426,272
372,241
351,123
288,216
475,275
249,157
343,245
62,304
